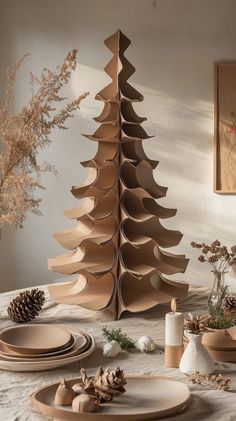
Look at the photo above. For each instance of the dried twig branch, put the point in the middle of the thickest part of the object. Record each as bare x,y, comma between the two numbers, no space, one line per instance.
216,381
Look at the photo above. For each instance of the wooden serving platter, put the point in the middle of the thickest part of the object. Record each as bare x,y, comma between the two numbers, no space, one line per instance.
146,398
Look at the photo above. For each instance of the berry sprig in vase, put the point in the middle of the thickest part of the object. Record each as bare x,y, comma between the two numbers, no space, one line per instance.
220,259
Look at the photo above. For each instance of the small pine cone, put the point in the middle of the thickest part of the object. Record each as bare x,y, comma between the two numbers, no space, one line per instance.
109,384
26,306
230,304
106,385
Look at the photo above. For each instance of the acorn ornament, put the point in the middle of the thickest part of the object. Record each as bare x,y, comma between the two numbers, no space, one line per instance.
64,394
83,403
111,349
26,306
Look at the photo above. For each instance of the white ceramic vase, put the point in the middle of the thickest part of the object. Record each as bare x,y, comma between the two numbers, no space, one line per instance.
196,357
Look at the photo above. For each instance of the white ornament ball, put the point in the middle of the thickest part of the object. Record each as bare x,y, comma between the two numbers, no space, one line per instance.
111,349
146,344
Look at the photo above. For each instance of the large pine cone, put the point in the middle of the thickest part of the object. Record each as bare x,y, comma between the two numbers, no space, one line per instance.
26,306
106,385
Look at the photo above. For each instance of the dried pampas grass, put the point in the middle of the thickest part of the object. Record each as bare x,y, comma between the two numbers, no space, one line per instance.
25,133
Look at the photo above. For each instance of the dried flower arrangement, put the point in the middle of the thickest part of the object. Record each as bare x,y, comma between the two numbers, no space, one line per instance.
25,133
219,257
196,324
222,307
216,381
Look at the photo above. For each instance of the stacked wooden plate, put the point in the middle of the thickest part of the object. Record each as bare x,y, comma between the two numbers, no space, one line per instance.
38,347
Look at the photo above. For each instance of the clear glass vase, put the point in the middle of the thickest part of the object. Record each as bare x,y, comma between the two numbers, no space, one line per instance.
218,292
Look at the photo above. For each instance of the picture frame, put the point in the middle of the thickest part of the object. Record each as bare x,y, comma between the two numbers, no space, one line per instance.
225,128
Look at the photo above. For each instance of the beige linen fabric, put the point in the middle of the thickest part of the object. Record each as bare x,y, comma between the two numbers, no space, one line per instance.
15,388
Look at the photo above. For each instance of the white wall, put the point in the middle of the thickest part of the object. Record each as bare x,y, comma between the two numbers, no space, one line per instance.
174,46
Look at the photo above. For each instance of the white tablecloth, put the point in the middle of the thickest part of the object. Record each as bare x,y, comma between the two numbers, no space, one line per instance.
205,405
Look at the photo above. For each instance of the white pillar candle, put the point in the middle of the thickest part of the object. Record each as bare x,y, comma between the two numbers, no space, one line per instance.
174,327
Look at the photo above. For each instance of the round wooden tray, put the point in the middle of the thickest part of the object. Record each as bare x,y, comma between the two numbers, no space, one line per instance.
146,398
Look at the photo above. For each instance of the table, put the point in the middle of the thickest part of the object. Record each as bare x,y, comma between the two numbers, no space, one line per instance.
205,405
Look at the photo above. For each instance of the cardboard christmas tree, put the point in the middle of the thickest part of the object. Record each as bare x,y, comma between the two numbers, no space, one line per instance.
118,247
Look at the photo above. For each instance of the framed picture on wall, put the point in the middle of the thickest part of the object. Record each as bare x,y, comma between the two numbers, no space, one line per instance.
225,129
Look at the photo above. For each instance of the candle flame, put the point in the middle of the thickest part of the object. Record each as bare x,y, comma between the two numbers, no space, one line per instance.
173,305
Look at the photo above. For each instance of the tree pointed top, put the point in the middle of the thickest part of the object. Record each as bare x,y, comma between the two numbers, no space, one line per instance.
117,42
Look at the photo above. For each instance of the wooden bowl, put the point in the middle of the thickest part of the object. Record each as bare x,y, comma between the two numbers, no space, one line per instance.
219,340
219,344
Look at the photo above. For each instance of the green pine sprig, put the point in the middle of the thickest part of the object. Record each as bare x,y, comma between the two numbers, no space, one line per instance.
120,337
220,320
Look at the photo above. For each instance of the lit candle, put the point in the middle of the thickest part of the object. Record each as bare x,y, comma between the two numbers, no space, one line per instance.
174,326
173,336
